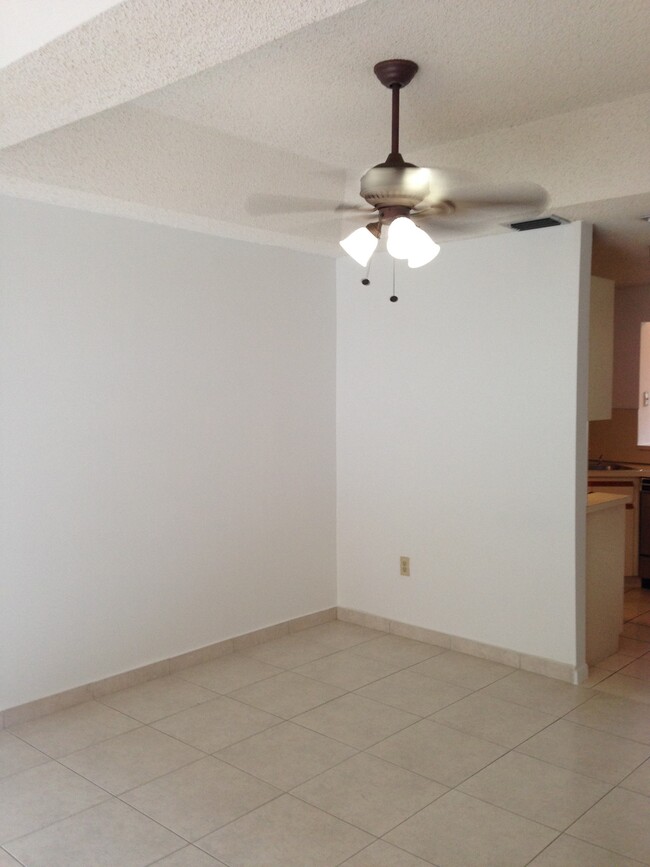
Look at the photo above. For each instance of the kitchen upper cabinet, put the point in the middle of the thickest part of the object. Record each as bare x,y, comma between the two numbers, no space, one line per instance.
601,348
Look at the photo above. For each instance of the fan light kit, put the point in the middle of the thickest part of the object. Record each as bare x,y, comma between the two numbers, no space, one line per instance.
399,193
413,203
394,179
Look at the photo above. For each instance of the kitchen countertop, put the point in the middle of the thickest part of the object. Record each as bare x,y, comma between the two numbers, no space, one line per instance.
598,501
631,471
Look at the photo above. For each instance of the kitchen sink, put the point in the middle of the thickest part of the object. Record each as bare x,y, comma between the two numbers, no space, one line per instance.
607,465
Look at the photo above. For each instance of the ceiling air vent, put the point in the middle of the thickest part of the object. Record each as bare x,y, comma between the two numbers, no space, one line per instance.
540,223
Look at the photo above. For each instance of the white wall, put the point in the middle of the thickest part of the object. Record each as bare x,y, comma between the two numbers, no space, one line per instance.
168,445
459,440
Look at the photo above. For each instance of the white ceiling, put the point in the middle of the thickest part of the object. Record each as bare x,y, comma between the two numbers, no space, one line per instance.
28,26
167,112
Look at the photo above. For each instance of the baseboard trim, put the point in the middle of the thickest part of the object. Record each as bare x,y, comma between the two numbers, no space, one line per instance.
61,700
535,664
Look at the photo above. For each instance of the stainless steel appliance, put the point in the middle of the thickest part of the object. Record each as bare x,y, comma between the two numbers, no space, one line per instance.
644,533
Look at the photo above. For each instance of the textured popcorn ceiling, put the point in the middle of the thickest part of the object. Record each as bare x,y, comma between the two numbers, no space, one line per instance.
139,46
28,26
180,111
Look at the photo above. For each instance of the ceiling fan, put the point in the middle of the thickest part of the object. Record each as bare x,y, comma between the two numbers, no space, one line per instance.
399,195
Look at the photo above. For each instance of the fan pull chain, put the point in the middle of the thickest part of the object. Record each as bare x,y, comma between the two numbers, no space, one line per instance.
394,297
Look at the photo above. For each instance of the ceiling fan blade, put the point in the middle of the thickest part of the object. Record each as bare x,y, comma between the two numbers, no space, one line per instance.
434,220
262,204
484,202
442,181
443,229
355,209
271,204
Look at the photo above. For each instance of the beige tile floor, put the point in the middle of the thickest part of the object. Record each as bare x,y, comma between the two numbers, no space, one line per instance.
340,745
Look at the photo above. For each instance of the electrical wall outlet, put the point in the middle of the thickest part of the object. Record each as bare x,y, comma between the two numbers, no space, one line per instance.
405,566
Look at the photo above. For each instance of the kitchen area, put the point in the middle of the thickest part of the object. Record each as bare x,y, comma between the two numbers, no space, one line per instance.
618,501
633,482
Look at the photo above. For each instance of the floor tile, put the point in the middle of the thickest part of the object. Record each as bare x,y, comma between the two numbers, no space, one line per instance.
289,651
216,724
285,833
620,822
414,693
640,667
339,635
355,720
286,755
632,646
643,617
632,610
626,687
287,694
158,698
228,673
595,676
16,755
610,713
636,630
381,854
499,815
569,852
539,692
536,790
369,793
438,752
36,797
190,856
636,591
74,728
131,759
463,670
587,751
201,797
346,669
494,720
460,831
398,650
105,836
639,780
614,662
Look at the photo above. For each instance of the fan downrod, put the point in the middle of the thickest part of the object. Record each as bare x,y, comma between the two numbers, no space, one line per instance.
395,74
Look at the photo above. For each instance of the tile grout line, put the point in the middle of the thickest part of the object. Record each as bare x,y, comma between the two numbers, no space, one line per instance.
357,751
612,786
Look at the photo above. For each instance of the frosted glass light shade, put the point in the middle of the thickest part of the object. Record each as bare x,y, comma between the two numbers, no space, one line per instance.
407,241
423,249
400,237
361,244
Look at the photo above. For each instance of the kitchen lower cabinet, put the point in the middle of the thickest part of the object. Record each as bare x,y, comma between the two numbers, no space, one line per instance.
604,575
629,488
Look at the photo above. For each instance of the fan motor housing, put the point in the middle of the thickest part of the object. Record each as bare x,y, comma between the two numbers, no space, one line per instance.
402,186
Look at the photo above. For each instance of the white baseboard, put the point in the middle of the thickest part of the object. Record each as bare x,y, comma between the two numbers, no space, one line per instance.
61,700
536,664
